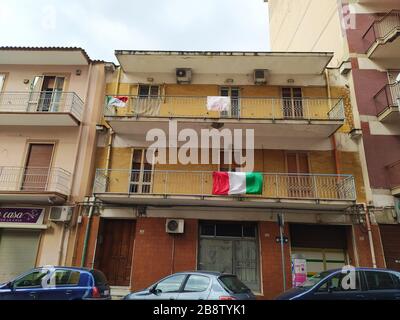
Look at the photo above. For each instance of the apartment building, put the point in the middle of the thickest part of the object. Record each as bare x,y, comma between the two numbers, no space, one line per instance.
364,36
150,219
50,103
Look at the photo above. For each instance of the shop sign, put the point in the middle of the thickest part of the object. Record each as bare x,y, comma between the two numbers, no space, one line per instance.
21,215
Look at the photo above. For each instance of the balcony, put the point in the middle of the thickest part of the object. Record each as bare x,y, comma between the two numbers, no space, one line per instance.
34,185
312,117
280,190
383,40
387,102
40,109
394,177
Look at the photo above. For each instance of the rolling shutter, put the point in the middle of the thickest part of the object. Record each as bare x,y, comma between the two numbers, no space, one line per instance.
391,245
18,250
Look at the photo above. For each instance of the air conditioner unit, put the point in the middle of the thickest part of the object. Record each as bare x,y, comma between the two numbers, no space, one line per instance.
61,214
345,68
175,226
261,76
183,75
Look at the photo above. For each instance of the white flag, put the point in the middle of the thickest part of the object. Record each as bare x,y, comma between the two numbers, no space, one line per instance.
218,103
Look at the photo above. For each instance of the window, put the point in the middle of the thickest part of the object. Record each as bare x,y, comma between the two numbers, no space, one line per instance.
233,284
171,284
141,175
234,93
66,277
335,283
233,166
33,279
197,283
379,280
99,278
148,91
292,100
2,80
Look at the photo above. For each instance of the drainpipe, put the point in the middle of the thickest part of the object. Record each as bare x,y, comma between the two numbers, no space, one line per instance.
371,241
87,232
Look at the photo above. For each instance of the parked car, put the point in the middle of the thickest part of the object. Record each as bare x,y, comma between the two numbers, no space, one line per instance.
57,283
367,284
195,285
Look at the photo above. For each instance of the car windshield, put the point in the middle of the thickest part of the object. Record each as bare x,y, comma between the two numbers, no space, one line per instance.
233,284
310,282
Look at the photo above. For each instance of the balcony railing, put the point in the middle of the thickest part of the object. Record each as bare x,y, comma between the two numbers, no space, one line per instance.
384,29
35,180
388,96
42,102
394,174
199,183
241,108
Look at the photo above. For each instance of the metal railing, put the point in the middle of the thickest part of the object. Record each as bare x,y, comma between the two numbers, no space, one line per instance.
388,96
393,171
199,183
384,29
42,102
34,179
241,108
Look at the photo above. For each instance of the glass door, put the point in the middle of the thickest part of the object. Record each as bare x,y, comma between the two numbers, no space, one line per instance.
234,93
51,94
292,102
141,174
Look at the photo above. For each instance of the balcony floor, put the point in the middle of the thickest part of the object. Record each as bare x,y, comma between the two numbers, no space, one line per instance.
40,198
223,201
390,115
38,119
262,127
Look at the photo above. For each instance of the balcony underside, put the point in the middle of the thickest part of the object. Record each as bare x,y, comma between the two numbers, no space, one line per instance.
223,201
390,115
396,191
40,198
386,52
262,127
38,119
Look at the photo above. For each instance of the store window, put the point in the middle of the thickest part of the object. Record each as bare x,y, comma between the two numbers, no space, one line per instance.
231,248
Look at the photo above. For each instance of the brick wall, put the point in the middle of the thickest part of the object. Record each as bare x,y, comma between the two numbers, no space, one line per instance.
153,256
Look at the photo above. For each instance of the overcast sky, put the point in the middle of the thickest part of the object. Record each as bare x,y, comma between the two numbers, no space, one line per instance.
102,26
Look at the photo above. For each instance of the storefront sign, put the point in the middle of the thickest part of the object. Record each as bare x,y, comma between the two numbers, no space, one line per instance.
299,271
20,215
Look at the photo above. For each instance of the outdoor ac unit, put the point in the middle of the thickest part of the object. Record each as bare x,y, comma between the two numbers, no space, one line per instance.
345,68
175,226
61,214
183,75
260,76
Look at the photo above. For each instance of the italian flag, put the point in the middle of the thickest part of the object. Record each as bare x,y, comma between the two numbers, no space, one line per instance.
119,102
225,183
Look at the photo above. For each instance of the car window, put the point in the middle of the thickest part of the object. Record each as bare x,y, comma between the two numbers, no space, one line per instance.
197,283
396,278
99,278
341,282
379,280
233,284
30,280
66,277
171,284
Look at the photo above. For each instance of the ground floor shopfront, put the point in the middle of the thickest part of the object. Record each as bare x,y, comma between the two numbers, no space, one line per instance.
135,251
28,240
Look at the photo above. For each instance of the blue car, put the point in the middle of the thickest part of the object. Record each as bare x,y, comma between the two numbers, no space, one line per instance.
57,283
354,284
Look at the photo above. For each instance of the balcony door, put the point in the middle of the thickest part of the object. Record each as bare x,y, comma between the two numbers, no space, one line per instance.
234,93
292,103
141,174
148,100
37,168
299,184
46,94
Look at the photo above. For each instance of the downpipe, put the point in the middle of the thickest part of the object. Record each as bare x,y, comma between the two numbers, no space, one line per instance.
87,232
371,241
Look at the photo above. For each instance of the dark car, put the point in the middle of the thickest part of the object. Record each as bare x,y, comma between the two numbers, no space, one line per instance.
359,284
57,283
195,285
